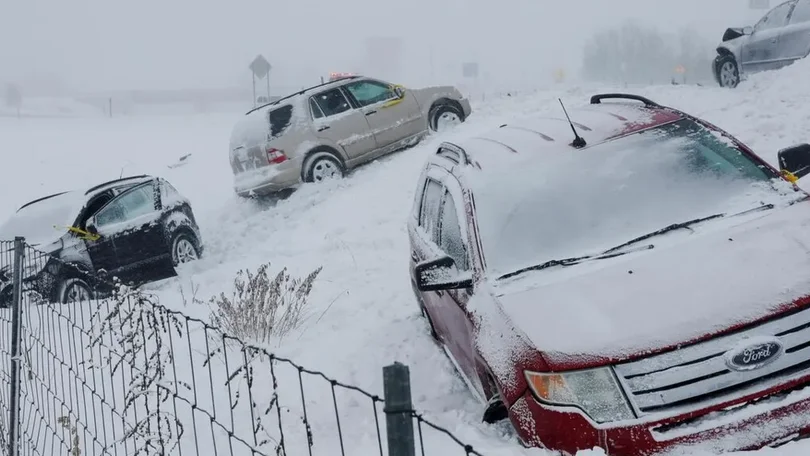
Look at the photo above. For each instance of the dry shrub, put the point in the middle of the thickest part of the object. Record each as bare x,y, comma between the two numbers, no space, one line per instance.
261,307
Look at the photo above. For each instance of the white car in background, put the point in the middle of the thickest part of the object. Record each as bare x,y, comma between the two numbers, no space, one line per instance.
324,131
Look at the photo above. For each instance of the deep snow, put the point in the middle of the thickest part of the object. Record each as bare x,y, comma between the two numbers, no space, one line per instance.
363,314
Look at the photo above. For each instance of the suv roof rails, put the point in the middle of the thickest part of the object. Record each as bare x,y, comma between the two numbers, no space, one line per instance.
40,199
597,99
142,176
301,92
450,151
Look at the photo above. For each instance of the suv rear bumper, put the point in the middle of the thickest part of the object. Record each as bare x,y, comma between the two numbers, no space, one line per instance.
773,417
268,179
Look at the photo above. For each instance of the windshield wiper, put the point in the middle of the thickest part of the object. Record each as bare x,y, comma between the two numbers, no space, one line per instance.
666,229
619,249
574,260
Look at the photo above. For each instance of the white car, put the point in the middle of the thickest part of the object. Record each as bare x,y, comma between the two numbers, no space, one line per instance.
326,130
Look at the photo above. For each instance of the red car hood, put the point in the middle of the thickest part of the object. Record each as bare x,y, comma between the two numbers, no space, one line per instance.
691,286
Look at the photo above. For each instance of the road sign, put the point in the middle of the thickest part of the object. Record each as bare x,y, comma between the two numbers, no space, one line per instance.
470,69
680,69
759,4
260,67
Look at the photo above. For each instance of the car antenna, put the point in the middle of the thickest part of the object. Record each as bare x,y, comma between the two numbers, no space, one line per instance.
579,141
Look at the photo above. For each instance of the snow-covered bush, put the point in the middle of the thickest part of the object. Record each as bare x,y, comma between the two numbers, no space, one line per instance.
261,307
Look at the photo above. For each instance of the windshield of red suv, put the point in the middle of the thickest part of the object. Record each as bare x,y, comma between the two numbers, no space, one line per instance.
583,201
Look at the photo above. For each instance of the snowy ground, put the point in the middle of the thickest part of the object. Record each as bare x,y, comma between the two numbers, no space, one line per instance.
363,314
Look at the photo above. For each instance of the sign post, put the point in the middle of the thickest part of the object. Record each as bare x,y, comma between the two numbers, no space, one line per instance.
260,68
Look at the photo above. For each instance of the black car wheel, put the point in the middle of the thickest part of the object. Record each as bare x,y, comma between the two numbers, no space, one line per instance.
728,72
74,290
443,117
184,249
322,166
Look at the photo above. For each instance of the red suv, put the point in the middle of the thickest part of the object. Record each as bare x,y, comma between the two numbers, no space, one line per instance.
642,288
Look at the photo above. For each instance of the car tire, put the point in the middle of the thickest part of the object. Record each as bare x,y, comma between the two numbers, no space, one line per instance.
74,290
444,116
321,166
728,72
185,249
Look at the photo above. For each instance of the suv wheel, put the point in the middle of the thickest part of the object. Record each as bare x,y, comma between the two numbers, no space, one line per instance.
74,290
728,72
443,117
322,166
184,249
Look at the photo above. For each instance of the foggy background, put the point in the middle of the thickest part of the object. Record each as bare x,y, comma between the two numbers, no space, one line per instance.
83,47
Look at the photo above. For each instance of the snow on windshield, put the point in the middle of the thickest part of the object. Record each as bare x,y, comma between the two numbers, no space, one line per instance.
44,221
580,202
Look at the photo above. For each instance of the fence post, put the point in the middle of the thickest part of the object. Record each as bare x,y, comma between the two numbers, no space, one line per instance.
398,410
16,336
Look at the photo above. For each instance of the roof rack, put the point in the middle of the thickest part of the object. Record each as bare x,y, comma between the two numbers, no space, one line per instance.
40,199
301,92
142,176
453,153
597,99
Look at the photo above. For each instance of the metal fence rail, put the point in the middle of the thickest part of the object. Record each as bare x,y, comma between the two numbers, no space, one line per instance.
117,373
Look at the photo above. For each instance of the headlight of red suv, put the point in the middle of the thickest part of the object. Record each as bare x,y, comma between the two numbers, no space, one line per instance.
594,391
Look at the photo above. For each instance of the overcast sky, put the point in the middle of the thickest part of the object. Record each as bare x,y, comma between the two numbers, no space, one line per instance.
147,44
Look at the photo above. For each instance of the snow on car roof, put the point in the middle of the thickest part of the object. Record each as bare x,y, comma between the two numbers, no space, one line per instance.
553,135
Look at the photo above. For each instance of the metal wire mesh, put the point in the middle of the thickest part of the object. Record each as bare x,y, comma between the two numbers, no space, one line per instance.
113,372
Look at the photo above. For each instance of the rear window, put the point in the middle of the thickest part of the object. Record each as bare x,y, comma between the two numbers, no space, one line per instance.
280,120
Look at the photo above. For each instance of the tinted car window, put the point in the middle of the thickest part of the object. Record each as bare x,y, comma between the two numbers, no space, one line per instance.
451,240
280,120
776,18
429,216
370,92
136,203
332,102
314,109
801,13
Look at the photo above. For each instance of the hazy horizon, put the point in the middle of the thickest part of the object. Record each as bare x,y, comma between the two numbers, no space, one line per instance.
97,45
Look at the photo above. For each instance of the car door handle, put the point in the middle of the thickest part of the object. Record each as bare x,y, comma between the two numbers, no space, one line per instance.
371,113
325,127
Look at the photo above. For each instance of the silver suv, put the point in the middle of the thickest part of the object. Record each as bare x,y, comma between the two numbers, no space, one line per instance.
326,130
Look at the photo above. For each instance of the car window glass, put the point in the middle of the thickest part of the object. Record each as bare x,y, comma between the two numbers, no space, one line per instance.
280,120
451,240
776,18
429,216
370,92
332,102
136,203
801,13
168,194
316,111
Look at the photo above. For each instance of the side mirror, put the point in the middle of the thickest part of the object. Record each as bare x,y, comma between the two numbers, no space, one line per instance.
440,274
795,161
748,30
399,91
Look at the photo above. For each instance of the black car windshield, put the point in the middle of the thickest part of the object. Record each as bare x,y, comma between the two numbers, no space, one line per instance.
570,203
44,221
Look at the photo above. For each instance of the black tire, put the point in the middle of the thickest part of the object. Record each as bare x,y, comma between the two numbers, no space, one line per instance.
727,71
185,249
74,290
319,165
440,110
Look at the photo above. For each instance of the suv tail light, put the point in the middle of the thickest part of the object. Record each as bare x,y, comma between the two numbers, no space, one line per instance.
275,156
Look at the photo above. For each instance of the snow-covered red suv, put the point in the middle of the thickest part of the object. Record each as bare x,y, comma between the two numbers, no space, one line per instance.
643,288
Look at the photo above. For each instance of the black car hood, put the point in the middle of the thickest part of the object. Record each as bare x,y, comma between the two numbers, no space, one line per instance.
733,33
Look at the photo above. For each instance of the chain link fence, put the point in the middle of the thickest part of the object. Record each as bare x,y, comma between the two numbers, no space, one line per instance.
113,372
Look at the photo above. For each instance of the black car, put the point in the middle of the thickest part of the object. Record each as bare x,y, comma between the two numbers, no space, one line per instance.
136,229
